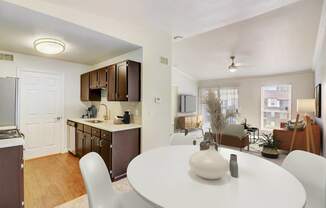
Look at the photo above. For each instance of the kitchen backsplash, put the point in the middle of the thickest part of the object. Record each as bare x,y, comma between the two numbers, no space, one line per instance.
118,108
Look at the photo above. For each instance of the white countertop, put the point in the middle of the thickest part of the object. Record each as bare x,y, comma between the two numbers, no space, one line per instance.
107,125
11,142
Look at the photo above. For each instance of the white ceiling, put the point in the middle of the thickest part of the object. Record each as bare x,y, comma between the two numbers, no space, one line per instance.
19,27
178,17
280,41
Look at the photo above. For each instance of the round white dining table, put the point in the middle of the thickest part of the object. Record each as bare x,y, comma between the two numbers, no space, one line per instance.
162,176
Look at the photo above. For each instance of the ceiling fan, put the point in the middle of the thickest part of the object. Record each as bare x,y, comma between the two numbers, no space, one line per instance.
233,67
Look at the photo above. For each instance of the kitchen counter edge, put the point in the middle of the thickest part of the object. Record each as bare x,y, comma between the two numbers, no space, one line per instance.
106,125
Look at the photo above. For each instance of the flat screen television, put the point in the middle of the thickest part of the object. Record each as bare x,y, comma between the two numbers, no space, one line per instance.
187,104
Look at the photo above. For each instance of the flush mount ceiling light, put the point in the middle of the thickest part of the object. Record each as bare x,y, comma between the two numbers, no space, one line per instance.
232,68
49,46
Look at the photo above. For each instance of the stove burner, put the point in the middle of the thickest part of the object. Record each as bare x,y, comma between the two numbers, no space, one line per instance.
9,134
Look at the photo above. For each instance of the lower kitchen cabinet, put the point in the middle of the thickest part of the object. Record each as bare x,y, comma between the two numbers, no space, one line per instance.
125,147
87,146
106,154
12,177
79,143
96,147
117,148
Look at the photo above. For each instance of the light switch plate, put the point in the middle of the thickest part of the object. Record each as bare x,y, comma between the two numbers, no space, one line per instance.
157,100
164,60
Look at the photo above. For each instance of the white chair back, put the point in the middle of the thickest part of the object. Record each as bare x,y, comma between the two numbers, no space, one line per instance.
310,170
97,180
182,139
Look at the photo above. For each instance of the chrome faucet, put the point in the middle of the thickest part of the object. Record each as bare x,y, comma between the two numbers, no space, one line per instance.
106,116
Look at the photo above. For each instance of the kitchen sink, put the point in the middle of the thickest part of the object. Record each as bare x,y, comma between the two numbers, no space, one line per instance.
95,121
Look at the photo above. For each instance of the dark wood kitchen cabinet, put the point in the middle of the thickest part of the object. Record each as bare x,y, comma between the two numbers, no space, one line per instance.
12,177
93,80
87,145
96,144
98,78
84,87
111,83
128,81
86,93
122,81
125,147
106,154
116,148
103,77
79,143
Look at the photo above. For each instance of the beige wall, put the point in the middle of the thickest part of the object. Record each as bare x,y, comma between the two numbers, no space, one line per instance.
250,89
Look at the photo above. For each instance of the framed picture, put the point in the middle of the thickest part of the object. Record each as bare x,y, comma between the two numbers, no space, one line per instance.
318,100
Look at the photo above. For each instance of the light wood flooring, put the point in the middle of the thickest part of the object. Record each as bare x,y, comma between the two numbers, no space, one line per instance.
52,180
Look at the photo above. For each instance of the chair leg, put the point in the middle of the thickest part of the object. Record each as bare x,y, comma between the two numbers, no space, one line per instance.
248,147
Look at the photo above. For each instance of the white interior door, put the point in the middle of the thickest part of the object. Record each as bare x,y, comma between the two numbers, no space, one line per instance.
41,112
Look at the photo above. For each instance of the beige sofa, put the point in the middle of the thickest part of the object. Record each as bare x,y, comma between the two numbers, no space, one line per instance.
235,135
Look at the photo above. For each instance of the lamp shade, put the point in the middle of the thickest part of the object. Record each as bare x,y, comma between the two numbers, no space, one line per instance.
306,106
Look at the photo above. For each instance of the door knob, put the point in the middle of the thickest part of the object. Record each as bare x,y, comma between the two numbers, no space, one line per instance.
58,118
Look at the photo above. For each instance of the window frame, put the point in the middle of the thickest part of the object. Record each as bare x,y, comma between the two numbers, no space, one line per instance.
262,127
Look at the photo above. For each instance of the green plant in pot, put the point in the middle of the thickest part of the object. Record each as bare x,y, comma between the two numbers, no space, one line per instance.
270,146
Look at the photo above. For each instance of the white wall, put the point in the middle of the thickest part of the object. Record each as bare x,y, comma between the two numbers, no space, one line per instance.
73,108
182,83
156,77
250,91
320,72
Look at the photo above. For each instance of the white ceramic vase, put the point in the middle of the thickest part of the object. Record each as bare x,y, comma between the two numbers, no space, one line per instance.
209,164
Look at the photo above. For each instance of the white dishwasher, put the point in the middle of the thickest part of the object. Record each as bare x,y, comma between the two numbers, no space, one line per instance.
71,135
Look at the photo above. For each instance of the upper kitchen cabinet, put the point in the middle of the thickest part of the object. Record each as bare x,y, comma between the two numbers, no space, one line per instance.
121,80
86,93
127,81
111,83
103,77
98,78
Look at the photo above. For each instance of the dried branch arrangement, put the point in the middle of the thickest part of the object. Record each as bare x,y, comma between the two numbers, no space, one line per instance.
218,118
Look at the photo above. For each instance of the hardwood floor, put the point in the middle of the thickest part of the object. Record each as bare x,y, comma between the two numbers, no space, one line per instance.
52,180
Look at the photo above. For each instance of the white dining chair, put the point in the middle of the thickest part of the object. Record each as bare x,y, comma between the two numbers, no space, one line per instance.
182,139
99,186
310,170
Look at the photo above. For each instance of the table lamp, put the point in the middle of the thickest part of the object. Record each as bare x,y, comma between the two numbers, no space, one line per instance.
308,108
